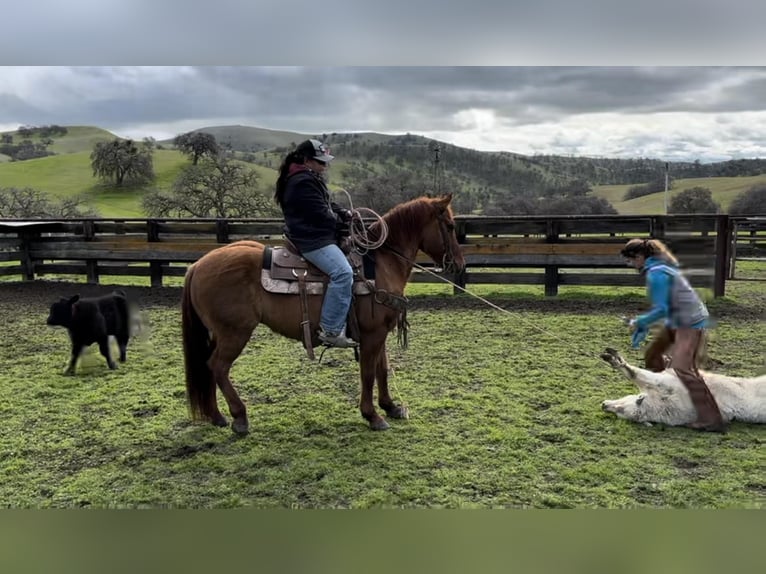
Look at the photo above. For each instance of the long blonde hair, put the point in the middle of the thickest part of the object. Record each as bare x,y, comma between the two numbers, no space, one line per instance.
649,248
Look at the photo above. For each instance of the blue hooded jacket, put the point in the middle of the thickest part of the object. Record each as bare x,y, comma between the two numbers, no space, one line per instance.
660,278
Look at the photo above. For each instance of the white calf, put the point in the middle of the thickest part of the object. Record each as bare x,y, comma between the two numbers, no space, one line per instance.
664,399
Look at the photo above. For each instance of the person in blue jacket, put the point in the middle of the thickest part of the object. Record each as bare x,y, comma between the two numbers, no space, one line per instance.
313,224
685,316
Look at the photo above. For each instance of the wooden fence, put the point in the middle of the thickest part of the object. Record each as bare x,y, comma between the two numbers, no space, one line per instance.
543,250
748,241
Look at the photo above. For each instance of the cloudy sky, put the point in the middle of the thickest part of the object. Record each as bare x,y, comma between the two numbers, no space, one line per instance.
671,113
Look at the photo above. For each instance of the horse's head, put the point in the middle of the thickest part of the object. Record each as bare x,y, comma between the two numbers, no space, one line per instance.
439,240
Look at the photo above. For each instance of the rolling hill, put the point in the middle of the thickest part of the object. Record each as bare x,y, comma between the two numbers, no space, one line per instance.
481,174
723,189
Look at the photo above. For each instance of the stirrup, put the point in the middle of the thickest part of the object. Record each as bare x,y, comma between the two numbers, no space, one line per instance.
339,340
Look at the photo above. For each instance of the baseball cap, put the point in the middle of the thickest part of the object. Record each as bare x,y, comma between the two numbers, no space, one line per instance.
316,150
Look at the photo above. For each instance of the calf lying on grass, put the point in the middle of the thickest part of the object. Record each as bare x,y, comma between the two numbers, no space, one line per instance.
93,320
664,399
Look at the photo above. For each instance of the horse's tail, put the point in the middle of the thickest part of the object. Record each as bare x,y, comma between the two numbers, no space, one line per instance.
200,386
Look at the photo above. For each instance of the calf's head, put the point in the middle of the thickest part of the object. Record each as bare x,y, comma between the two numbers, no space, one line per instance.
61,311
630,407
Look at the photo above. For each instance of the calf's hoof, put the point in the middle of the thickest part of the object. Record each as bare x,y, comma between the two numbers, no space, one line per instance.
612,357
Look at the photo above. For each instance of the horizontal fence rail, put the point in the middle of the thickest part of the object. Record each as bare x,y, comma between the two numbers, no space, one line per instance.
536,250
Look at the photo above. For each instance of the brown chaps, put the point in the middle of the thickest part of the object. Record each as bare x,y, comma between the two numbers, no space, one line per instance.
688,346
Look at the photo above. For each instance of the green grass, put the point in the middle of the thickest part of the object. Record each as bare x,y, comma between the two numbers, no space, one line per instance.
723,189
71,174
504,413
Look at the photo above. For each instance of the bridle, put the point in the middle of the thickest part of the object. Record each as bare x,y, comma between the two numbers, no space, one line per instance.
446,228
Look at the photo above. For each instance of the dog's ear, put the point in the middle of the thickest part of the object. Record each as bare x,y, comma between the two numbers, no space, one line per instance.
74,299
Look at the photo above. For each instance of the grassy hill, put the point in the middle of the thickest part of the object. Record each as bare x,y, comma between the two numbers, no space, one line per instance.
480,174
723,189
246,138
71,174
77,139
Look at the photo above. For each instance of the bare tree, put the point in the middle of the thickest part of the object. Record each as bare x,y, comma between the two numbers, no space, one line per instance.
694,200
214,188
196,145
29,203
750,202
122,161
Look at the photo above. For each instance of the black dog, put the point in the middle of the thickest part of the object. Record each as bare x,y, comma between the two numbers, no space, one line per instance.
92,320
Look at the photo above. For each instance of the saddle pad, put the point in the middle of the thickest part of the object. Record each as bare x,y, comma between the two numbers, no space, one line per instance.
285,266
273,285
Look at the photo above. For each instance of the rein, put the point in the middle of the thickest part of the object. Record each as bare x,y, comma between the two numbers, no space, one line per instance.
399,302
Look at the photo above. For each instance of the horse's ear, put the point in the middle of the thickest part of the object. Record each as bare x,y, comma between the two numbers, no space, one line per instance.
74,298
444,200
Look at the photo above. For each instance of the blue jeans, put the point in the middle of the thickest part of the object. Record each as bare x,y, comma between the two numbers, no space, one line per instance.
337,297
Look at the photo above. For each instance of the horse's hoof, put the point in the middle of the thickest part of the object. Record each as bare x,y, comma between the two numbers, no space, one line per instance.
239,427
220,421
399,412
379,424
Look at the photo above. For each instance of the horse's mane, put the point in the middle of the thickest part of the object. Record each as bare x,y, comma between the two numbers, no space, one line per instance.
406,220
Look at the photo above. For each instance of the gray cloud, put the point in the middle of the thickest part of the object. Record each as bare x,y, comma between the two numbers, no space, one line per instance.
402,32
695,112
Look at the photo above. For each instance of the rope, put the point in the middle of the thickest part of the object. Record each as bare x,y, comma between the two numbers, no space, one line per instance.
359,236
362,243
502,310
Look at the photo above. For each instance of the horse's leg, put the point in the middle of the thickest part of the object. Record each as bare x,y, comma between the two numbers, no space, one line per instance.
226,351
384,398
371,347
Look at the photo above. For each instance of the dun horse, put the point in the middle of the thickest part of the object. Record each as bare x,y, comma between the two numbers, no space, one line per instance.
223,302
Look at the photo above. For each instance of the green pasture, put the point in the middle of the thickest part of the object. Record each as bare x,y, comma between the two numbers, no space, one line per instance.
71,174
723,190
77,139
505,412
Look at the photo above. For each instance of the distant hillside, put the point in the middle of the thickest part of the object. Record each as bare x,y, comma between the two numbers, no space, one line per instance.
484,177
609,171
249,139
723,189
76,139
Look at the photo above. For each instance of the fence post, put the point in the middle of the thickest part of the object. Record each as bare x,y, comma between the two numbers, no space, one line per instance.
460,278
222,230
91,265
27,265
551,271
722,242
155,267
732,259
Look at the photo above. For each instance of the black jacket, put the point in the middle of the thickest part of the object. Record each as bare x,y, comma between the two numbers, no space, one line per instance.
311,219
